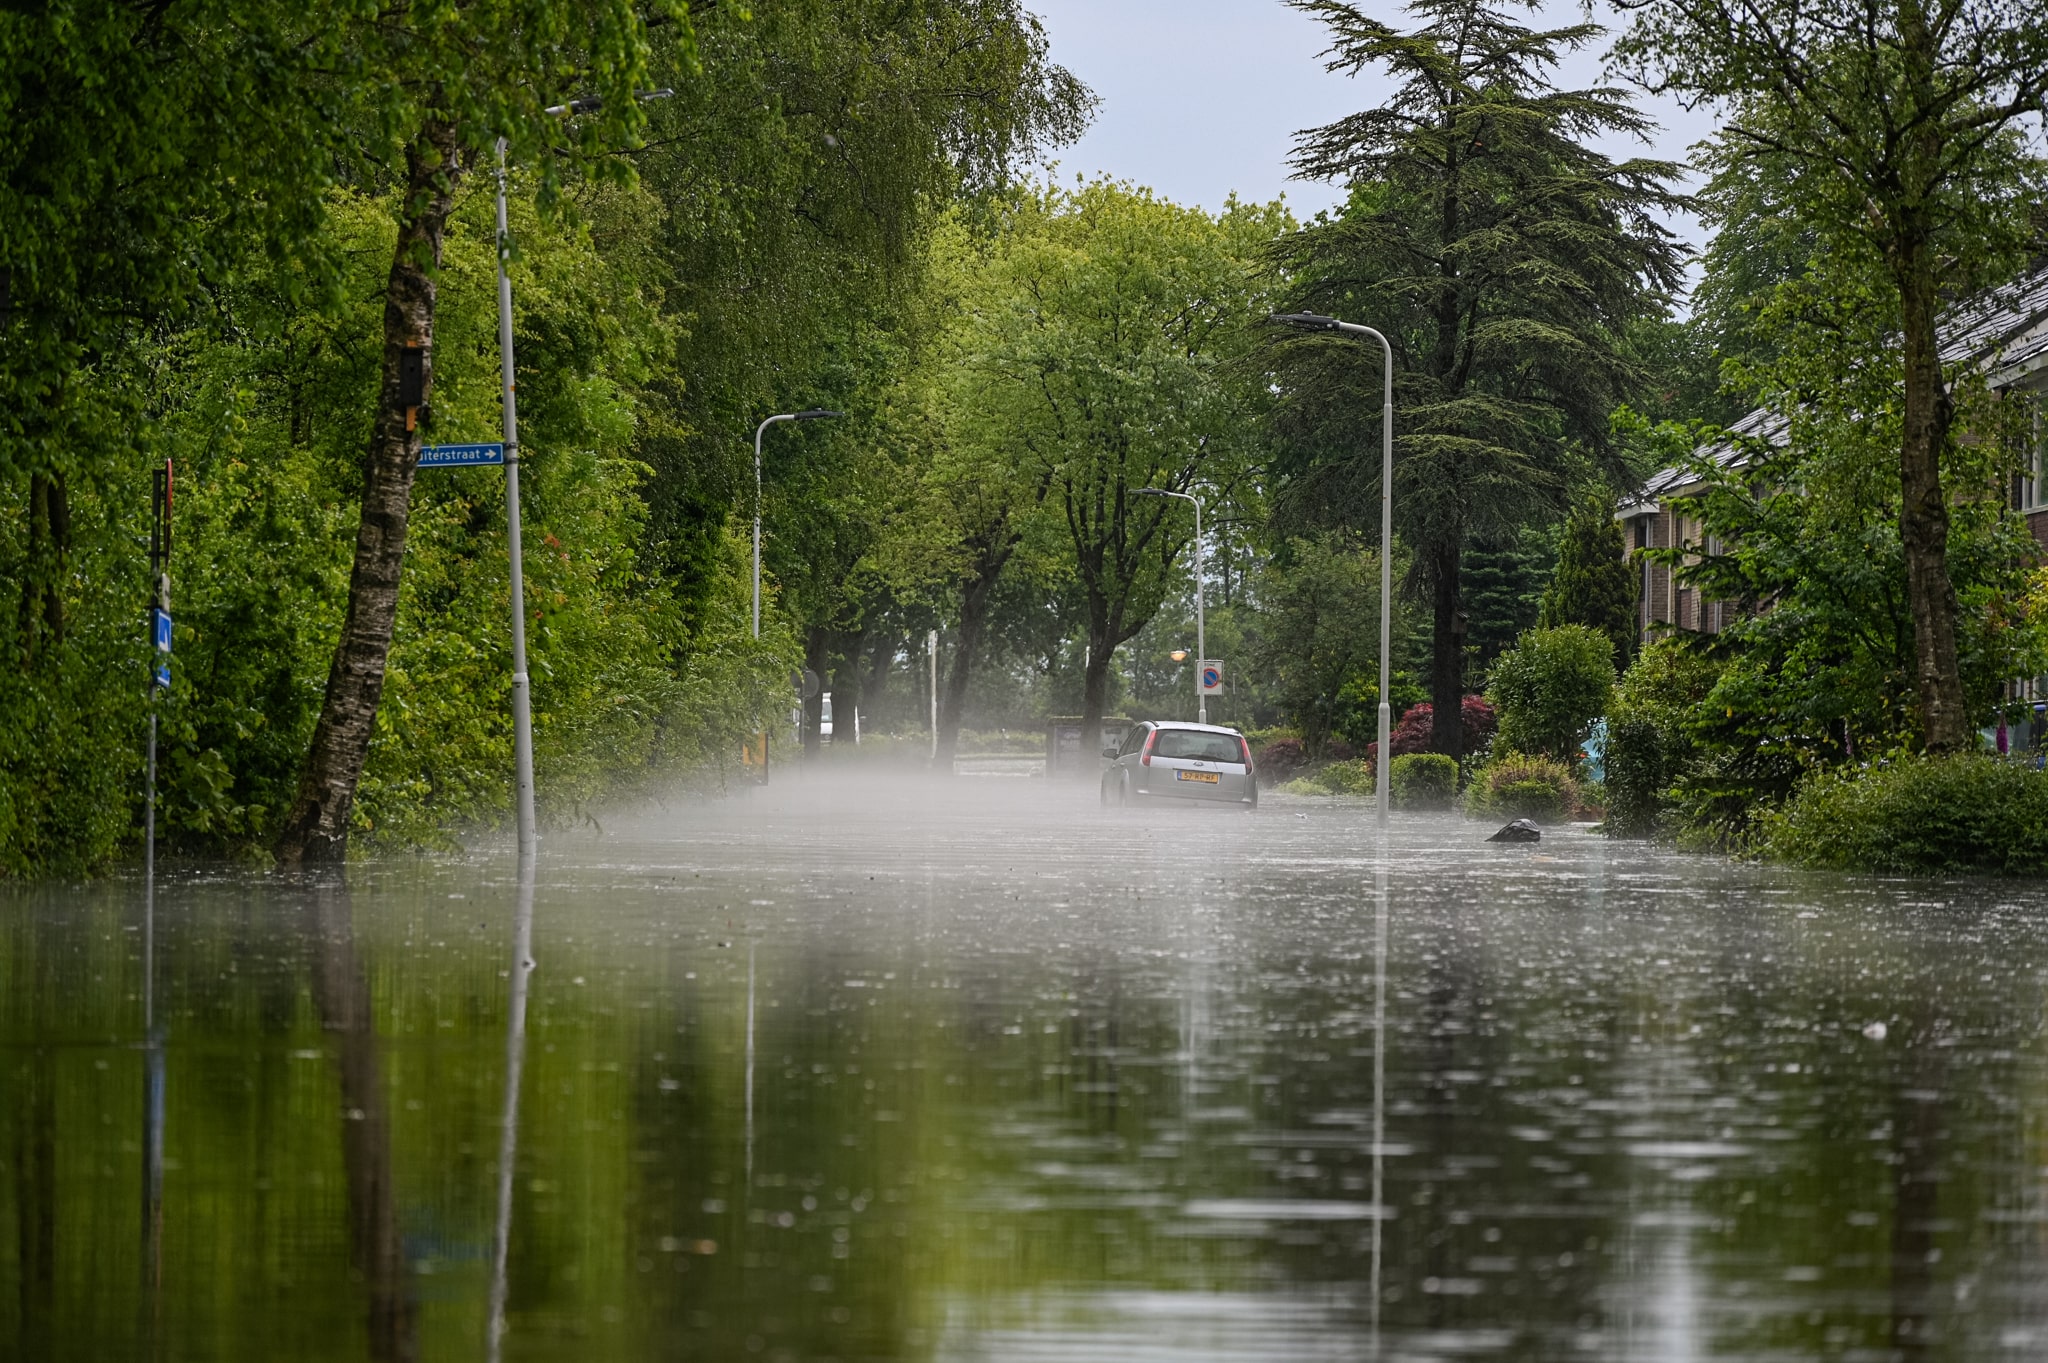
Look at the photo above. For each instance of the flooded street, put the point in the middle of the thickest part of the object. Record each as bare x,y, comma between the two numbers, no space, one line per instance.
977,1071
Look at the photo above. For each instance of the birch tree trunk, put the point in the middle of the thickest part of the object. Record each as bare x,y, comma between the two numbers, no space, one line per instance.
316,829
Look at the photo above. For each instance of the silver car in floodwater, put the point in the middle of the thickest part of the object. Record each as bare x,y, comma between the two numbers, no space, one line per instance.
1168,760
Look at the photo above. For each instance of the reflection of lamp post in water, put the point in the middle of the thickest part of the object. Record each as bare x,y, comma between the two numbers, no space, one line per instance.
508,1135
750,1066
1379,1084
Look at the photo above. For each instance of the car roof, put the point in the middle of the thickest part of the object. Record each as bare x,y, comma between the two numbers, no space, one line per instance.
1190,724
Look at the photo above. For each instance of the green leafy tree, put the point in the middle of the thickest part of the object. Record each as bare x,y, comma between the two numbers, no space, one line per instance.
804,179
1594,583
1503,257
1320,628
1891,132
1549,688
1105,359
451,84
152,153
1822,660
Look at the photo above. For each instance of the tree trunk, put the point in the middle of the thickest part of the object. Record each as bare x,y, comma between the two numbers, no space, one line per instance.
49,546
953,690
1919,1141
1095,684
1923,510
316,829
881,661
1447,654
847,693
974,606
815,652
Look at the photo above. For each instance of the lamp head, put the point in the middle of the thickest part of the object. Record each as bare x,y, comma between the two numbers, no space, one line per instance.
1305,321
1179,655
817,414
1147,492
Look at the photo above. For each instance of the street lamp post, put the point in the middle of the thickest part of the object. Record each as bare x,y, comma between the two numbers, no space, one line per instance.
1201,635
1310,321
808,414
522,702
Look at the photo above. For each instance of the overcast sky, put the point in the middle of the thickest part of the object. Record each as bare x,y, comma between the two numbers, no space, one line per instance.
1203,97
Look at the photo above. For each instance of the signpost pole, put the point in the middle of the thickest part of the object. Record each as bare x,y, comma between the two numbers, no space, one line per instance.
932,647
159,677
522,706
1201,626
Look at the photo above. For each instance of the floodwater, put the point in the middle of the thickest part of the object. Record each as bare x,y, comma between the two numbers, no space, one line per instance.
975,1071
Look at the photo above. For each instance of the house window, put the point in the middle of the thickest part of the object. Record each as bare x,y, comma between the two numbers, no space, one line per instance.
2033,478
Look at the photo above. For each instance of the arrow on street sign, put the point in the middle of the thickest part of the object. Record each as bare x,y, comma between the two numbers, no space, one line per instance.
461,456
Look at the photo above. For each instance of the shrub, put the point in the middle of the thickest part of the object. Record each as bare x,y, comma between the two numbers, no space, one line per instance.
1412,734
1352,777
1926,814
1279,760
1424,781
1550,687
1650,743
1520,786
1335,778
1636,777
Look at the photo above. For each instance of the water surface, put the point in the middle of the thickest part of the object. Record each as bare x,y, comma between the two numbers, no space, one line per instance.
848,1070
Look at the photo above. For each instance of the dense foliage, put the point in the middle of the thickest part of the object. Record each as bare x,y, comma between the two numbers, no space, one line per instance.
1893,146
1549,688
1423,780
250,172
1504,258
1519,786
221,224
1926,815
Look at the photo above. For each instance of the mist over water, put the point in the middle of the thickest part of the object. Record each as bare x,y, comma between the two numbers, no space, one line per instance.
866,1065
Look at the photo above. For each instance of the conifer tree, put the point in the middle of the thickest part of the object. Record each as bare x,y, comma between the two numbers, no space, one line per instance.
1594,584
1506,261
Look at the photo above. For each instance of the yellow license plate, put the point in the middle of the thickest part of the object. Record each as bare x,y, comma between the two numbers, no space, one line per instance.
1208,776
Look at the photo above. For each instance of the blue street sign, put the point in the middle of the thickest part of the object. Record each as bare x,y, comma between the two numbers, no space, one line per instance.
461,456
163,675
160,628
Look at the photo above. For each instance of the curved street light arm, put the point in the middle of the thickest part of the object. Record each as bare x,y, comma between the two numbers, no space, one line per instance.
1313,321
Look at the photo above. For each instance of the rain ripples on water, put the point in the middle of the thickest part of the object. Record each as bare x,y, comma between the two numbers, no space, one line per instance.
977,1072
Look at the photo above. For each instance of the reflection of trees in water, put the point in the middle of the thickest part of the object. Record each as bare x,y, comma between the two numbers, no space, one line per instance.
341,992
33,1093
1919,1136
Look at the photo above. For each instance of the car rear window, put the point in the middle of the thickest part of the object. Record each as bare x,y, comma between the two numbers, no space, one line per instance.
1197,746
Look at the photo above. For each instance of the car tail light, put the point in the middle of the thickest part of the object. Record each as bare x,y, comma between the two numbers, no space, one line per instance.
1145,758
1245,744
